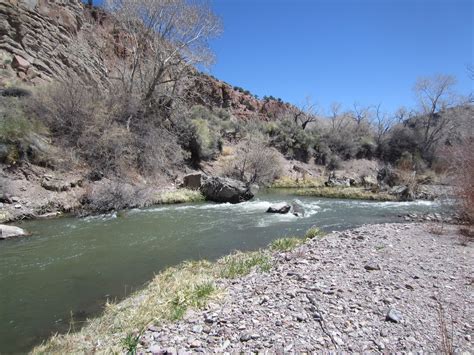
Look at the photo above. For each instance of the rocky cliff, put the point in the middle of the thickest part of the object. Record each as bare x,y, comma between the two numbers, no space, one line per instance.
44,40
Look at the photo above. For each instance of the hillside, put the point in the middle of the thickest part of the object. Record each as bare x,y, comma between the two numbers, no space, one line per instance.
43,41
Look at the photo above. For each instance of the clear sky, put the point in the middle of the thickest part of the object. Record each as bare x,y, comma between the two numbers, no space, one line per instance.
370,51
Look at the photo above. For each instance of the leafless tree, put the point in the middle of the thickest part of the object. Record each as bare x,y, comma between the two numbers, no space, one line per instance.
339,120
435,95
383,122
307,113
161,41
360,113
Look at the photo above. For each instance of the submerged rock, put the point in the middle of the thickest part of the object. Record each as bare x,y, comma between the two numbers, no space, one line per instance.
7,232
220,189
281,208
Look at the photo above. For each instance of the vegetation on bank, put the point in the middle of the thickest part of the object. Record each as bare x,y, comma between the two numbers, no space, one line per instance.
178,196
287,182
190,285
355,193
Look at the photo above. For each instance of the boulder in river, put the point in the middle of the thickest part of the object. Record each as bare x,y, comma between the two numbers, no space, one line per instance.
7,232
281,208
220,189
297,209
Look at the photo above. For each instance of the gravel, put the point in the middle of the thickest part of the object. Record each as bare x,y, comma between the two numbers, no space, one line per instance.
378,288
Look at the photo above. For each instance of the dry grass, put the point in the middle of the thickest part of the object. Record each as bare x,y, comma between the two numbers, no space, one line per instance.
355,193
290,183
166,298
178,196
227,151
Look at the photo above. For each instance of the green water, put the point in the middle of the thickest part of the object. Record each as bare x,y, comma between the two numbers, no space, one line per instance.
71,266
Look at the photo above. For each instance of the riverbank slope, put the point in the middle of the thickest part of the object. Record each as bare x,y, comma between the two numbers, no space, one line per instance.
375,288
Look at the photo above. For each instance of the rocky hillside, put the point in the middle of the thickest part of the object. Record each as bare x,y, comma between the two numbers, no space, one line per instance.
45,40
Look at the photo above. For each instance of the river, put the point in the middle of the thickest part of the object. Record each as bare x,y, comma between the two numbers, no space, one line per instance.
70,266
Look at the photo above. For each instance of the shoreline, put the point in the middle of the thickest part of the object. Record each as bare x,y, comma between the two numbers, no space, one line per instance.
167,313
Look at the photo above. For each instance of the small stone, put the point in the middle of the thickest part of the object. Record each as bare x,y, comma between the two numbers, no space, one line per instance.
197,329
254,336
153,328
225,345
195,344
338,341
393,316
245,337
372,267
278,323
155,349
301,317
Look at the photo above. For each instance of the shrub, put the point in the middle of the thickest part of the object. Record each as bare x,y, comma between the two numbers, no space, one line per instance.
313,232
19,135
292,140
462,169
111,196
255,162
67,109
109,149
160,151
285,244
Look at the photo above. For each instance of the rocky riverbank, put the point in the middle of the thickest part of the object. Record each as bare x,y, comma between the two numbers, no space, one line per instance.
376,288
391,287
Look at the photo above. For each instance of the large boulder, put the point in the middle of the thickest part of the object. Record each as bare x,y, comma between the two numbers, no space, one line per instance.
192,181
220,189
281,208
7,232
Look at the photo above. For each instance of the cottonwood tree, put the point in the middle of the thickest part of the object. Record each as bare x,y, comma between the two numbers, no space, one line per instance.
339,121
435,94
162,41
307,113
360,114
383,122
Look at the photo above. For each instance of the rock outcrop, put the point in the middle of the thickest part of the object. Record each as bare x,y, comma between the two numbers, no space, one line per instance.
219,189
42,40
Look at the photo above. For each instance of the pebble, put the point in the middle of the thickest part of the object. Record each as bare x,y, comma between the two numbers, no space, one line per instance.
393,316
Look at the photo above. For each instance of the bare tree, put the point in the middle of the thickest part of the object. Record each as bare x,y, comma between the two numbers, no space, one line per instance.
162,39
435,94
360,113
307,113
383,122
339,120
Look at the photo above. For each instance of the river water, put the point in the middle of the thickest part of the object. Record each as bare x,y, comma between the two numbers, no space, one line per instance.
70,266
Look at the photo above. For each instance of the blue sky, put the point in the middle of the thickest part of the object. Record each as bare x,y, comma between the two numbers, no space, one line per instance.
369,51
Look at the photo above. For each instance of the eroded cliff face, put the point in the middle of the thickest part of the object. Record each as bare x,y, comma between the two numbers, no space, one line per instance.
41,40
44,40
210,92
